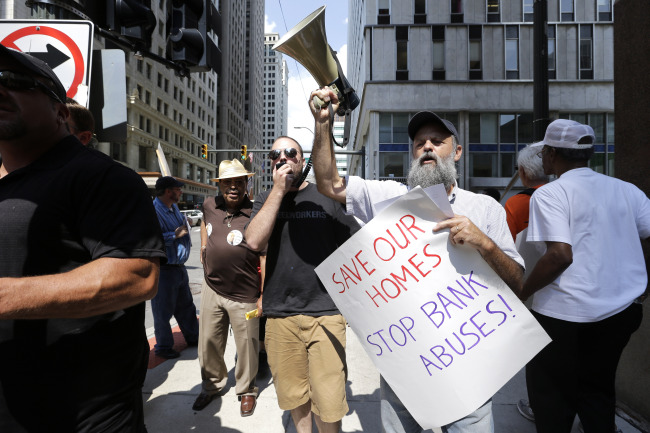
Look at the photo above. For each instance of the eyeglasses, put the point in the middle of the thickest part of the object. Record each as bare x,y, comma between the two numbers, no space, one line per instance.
541,153
291,152
16,81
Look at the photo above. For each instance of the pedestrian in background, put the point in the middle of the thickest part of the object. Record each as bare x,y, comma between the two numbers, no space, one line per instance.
174,297
231,288
81,122
587,286
531,173
79,256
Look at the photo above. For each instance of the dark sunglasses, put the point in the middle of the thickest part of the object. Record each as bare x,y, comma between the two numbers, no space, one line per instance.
291,152
17,81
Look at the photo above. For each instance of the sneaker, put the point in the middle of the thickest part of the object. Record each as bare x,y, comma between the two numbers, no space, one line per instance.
167,353
525,410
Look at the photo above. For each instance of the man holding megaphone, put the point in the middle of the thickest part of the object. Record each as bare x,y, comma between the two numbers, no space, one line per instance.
479,222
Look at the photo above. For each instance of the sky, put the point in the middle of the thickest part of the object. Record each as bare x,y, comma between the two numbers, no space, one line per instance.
280,17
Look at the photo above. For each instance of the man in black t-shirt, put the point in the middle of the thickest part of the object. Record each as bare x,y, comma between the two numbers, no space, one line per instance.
79,254
305,332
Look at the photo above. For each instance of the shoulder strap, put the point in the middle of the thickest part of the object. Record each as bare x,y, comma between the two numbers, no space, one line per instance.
528,191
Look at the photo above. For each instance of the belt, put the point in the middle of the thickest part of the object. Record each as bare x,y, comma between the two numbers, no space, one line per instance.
173,266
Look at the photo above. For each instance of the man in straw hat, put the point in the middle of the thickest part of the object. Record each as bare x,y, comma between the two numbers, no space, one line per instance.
230,289
79,252
588,285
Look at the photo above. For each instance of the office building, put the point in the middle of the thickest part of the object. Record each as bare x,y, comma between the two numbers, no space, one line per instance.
276,105
471,61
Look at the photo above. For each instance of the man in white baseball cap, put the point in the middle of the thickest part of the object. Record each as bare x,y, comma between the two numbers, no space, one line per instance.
588,285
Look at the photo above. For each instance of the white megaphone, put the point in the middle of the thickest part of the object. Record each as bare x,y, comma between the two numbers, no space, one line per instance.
307,43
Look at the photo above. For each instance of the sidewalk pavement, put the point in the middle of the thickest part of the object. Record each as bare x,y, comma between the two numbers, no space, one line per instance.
171,386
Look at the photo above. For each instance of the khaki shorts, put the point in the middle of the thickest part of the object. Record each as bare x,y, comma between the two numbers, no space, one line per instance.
307,359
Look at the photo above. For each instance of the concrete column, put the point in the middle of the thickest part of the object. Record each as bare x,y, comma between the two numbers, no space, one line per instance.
632,117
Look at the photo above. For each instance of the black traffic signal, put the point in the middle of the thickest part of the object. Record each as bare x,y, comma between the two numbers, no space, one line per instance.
189,24
204,151
244,149
132,19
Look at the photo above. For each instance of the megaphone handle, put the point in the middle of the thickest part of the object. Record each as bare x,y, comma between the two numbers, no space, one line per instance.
319,103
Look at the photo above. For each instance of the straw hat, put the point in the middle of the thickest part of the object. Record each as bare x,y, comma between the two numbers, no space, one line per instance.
234,168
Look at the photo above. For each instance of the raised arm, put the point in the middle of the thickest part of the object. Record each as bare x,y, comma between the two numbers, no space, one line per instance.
463,231
328,181
101,286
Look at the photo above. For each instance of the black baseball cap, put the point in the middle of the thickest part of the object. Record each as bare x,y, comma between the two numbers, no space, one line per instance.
37,67
424,117
168,182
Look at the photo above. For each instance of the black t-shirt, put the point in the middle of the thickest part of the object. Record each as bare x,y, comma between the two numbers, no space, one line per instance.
70,207
309,227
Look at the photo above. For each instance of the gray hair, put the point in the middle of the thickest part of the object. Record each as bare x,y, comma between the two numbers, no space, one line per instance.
531,164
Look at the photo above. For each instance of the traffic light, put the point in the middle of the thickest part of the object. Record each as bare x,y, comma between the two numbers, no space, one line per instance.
243,152
189,23
132,19
204,151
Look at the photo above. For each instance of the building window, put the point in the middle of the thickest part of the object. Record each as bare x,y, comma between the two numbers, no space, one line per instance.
475,53
419,11
494,139
566,10
383,11
438,37
551,52
604,10
586,52
457,11
142,157
118,151
393,146
401,37
528,11
493,15
512,52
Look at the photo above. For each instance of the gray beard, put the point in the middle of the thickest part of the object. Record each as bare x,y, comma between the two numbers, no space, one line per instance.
444,171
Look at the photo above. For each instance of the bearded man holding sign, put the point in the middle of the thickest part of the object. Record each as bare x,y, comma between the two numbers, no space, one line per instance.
479,222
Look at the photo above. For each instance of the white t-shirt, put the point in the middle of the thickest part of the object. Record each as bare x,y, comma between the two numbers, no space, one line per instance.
603,219
486,214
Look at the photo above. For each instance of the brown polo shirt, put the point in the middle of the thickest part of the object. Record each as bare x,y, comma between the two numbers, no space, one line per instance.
230,266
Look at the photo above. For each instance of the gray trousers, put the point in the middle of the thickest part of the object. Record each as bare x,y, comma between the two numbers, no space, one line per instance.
216,314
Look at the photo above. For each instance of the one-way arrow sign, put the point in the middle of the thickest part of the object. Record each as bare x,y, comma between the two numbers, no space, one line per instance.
53,56
65,45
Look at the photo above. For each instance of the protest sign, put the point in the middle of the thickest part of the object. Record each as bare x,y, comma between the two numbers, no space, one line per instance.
442,328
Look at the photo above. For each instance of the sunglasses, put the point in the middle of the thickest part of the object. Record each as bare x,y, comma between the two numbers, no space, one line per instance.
17,81
291,152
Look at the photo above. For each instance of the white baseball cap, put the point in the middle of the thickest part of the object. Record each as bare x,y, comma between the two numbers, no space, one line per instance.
567,134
